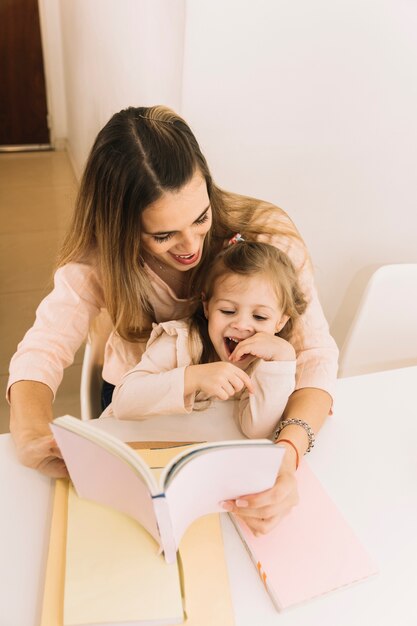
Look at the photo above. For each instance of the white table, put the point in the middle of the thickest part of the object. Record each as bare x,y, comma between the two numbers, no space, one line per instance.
365,456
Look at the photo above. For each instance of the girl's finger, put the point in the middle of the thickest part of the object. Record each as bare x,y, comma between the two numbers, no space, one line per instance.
229,388
237,383
246,342
221,394
239,352
246,380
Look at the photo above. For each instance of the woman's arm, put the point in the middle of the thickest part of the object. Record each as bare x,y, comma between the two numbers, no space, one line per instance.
264,510
30,415
311,406
36,370
62,323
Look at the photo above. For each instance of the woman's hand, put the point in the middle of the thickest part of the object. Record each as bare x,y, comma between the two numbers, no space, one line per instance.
43,454
30,416
263,511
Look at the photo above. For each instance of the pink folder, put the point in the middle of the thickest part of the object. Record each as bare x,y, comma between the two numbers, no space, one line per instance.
312,551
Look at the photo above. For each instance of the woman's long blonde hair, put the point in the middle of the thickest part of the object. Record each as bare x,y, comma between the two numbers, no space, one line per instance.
140,154
248,258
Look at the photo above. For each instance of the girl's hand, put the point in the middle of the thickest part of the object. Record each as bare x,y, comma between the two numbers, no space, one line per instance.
263,511
263,346
43,454
216,380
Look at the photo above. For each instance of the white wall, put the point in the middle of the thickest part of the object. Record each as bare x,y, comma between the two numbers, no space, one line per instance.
118,54
312,105
50,20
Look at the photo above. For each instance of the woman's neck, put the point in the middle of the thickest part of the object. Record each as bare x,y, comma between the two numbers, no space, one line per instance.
175,279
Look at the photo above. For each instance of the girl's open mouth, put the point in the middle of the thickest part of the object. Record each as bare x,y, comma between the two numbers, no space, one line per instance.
230,344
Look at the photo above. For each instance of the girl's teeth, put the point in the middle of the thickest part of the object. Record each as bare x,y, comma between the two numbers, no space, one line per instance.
231,343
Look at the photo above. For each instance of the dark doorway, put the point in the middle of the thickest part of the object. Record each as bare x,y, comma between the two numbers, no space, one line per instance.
23,109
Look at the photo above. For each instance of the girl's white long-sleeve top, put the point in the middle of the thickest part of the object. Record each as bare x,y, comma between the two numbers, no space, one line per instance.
155,386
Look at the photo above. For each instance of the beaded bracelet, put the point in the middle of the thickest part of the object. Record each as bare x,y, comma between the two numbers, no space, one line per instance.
297,422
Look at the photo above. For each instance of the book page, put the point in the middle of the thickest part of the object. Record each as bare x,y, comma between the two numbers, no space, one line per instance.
100,475
208,600
219,474
114,573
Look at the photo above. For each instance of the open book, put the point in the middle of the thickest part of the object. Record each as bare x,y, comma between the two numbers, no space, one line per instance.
194,482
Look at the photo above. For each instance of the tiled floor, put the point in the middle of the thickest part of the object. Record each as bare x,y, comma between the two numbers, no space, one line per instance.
37,193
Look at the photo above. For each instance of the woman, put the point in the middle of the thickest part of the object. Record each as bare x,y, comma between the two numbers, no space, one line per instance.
148,221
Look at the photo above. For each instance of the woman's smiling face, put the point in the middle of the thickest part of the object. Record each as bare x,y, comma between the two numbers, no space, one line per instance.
174,227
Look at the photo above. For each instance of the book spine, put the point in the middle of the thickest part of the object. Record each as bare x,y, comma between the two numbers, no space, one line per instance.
262,574
165,528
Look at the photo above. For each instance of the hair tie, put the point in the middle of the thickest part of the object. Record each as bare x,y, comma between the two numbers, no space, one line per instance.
235,239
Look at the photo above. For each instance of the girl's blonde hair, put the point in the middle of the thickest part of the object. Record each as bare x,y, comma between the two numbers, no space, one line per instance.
248,258
139,155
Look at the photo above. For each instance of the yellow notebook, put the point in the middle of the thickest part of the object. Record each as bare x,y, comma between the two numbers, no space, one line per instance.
90,588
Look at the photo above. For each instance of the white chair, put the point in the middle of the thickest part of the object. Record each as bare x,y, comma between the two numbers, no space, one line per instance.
91,378
383,334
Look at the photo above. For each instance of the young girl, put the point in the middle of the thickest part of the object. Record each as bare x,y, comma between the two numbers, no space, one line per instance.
235,345
148,222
